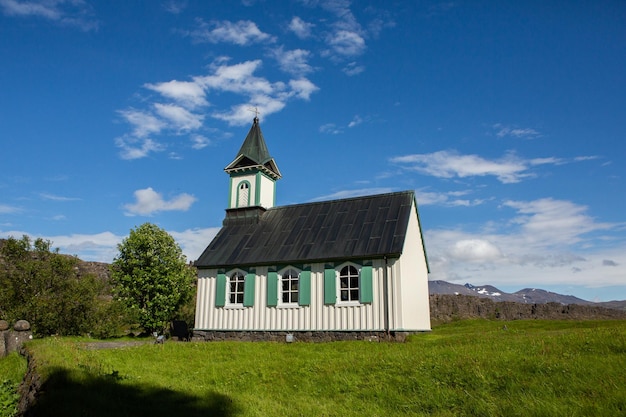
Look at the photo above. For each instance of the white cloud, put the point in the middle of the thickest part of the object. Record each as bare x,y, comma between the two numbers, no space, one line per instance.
74,13
354,193
148,202
102,247
143,122
353,69
346,43
549,221
547,242
268,97
302,88
330,128
516,132
178,117
53,197
199,142
194,241
301,28
243,32
294,61
7,209
175,6
238,78
446,164
135,148
187,93
181,116
475,250
448,199
355,121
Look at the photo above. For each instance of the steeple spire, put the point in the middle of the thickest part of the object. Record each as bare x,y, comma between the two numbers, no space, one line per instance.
253,172
254,154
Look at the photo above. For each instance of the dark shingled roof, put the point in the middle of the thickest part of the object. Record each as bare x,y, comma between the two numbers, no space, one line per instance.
355,228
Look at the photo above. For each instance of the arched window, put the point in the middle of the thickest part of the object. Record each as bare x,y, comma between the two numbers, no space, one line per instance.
235,289
243,194
290,285
349,284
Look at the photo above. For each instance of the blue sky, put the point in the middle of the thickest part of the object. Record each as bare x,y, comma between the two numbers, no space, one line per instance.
507,118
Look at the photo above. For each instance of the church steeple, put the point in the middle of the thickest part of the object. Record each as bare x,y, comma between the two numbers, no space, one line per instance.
253,173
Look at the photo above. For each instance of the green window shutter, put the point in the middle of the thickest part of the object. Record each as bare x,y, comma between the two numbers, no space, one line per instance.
330,286
272,289
304,298
220,290
248,290
366,295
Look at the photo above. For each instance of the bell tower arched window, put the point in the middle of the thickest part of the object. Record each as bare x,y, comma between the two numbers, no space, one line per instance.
243,194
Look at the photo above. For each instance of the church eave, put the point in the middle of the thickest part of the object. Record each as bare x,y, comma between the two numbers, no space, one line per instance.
253,168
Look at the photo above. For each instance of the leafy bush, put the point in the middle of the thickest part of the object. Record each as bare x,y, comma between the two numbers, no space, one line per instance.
151,276
44,287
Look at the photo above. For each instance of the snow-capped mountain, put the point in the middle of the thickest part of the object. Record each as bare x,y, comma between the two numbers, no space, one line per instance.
526,296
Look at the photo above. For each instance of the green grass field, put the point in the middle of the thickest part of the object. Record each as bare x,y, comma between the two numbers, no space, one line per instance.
466,368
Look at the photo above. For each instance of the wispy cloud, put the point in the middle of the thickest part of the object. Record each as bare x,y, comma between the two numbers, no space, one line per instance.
551,221
136,148
143,122
449,164
294,61
353,68
354,193
334,129
175,6
148,202
199,141
102,247
268,97
8,209
301,28
242,32
547,240
445,164
515,132
178,117
54,197
330,129
357,120
446,199
188,94
180,107
75,13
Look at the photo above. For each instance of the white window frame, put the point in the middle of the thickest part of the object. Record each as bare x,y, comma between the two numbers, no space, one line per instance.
288,304
229,276
338,270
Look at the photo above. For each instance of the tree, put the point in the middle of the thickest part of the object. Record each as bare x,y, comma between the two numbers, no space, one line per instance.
45,288
151,276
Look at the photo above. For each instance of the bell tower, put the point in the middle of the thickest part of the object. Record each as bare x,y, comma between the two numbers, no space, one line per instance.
253,173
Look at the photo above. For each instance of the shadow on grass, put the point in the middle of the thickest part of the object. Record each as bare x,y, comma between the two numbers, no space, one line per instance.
94,396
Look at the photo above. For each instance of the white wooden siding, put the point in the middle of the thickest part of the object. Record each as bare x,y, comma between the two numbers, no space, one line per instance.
412,290
316,317
267,192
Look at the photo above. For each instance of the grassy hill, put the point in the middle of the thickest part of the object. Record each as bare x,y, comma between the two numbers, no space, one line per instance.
465,368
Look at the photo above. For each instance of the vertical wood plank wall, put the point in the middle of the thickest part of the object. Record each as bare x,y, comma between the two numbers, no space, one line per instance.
316,317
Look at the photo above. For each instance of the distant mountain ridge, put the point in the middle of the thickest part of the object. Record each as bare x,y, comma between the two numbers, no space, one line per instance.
524,296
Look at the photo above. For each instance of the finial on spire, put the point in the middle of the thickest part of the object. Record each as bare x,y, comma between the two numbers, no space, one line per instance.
256,112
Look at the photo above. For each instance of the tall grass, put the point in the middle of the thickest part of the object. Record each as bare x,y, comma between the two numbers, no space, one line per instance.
12,370
467,368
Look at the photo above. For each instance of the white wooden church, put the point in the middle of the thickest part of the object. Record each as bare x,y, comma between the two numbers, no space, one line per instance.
349,268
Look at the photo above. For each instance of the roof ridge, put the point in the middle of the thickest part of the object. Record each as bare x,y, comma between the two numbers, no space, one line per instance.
341,200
